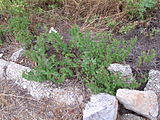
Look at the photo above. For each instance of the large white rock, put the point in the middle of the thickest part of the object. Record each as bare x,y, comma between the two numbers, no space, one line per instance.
124,69
142,102
101,107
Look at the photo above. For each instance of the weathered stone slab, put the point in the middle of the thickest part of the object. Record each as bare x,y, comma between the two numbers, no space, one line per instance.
14,72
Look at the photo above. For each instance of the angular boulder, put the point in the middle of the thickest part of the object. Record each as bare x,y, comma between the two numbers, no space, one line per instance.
101,107
142,102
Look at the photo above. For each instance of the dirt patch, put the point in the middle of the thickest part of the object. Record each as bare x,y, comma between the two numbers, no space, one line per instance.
17,104
147,40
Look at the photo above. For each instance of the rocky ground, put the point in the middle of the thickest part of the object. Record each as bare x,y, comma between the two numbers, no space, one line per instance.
27,100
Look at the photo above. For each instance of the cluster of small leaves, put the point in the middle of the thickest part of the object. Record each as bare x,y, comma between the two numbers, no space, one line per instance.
51,65
138,8
83,58
19,22
154,32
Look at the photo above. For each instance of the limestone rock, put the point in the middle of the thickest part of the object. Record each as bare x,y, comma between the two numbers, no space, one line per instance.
142,102
101,107
41,101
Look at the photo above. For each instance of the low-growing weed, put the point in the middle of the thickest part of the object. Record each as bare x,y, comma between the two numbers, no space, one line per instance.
19,21
83,58
13,7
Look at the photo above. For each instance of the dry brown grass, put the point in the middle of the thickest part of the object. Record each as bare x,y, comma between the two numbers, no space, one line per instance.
84,9
90,14
81,11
